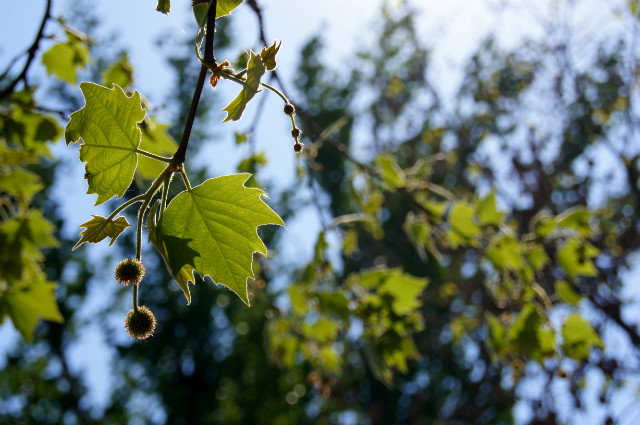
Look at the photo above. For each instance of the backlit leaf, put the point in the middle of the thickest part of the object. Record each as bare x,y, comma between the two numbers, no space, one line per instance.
108,126
487,211
255,70
390,171
26,306
212,229
579,337
99,228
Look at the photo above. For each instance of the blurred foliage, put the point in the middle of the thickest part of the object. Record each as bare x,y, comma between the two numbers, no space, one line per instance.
467,246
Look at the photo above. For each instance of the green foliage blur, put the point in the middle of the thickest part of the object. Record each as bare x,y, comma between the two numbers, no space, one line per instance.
468,246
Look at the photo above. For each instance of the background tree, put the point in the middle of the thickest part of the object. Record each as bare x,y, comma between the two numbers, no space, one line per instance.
467,249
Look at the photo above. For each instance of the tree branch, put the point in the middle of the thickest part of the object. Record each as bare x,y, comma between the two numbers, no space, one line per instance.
181,153
31,53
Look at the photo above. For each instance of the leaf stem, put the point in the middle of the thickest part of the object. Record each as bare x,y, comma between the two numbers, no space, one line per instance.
127,204
181,153
185,179
154,156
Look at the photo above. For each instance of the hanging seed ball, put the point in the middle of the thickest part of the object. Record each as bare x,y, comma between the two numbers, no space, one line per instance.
295,133
297,147
140,323
129,271
289,109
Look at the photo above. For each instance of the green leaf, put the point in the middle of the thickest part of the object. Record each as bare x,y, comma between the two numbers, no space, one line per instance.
528,338
63,59
212,229
487,211
268,55
323,330
575,257
155,139
576,219
404,289
579,337
20,183
108,127
223,8
26,306
164,6
463,228
506,253
298,299
390,171
567,294
255,70
120,73
99,228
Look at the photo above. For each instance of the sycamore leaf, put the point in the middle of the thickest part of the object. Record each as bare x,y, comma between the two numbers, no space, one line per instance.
463,228
212,229
223,8
268,55
26,306
579,337
108,126
255,70
487,211
99,228
63,59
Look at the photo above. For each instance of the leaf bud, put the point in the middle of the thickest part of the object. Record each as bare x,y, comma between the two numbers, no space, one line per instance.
140,323
130,271
289,109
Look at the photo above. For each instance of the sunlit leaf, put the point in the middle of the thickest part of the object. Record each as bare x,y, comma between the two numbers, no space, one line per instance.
487,211
108,126
26,306
212,229
390,171
99,228
579,337
255,70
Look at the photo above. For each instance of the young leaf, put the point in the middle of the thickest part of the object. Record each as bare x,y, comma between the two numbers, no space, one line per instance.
255,70
212,229
268,55
164,6
108,126
99,228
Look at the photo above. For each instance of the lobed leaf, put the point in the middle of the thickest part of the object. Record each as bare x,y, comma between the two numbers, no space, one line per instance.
99,228
212,229
108,126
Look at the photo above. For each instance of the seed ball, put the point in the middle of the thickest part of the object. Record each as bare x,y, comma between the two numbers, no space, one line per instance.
140,323
297,147
129,271
289,109
295,133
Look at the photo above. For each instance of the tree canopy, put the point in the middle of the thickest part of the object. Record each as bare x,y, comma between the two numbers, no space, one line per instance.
473,253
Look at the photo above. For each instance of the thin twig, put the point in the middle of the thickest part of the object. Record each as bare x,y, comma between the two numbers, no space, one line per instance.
181,153
31,54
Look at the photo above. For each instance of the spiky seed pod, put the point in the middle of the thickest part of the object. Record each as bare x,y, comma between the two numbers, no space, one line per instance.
289,109
297,147
295,133
140,323
129,271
